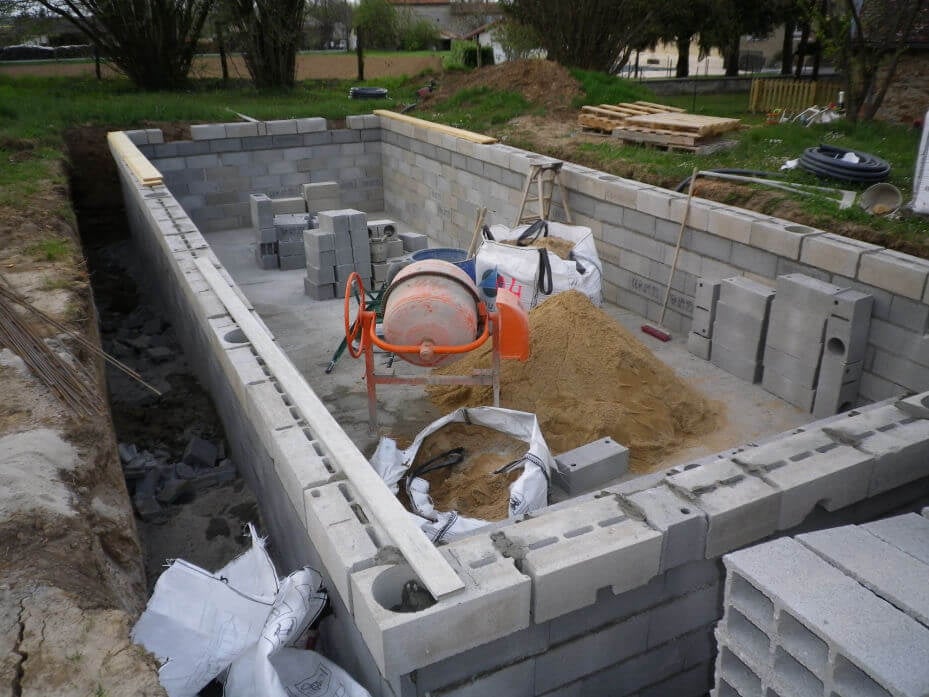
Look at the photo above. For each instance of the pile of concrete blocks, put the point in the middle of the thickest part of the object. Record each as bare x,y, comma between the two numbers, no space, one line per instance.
700,338
836,612
335,250
279,225
739,327
815,344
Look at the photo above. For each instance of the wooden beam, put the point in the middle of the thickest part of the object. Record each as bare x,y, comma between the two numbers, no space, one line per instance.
439,127
432,569
137,163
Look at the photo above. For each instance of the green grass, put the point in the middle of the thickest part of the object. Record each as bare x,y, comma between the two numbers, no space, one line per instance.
479,108
600,88
51,249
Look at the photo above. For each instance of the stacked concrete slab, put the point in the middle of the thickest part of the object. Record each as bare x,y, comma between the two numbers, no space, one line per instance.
740,326
700,337
836,612
338,248
322,196
794,358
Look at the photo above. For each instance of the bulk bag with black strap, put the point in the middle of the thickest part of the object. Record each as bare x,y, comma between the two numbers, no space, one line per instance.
534,274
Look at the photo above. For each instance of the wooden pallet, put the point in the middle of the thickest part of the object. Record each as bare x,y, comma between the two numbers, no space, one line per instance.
690,124
605,117
672,141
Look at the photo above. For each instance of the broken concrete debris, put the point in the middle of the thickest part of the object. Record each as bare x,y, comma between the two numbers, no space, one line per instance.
153,481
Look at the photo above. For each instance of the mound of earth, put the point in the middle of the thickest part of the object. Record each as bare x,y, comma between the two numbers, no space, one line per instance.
589,377
540,82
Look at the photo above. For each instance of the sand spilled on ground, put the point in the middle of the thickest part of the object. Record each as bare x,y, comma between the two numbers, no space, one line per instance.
588,377
471,487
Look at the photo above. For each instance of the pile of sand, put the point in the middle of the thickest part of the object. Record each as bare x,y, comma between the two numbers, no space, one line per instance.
471,487
558,246
587,378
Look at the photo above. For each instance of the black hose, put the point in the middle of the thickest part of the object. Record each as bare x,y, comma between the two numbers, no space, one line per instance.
742,172
826,161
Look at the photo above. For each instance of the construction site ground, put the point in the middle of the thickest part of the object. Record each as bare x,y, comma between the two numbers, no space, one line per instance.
309,332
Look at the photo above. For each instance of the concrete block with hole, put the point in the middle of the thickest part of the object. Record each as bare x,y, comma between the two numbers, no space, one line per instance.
740,507
494,603
343,535
571,553
683,525
590,466
810,469
832,622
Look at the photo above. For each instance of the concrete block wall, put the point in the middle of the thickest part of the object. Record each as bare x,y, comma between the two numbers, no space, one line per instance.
437,182
621,587
835,612
213,174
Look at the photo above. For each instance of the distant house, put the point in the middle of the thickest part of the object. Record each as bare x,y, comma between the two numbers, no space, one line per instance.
437,11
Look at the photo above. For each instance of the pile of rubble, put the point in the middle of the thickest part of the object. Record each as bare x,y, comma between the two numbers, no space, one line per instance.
154,481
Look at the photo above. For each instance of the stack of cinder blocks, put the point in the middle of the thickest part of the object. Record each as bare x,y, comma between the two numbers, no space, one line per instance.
803,365
740,325
336,249
279,225
700,338
836,612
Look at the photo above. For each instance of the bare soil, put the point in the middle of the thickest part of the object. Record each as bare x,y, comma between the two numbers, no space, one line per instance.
71,577
310,66
589,377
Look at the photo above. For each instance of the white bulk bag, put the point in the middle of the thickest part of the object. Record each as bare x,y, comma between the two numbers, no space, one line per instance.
528,493
534,274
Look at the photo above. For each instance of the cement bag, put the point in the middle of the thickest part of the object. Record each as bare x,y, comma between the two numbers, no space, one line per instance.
528,493
535,274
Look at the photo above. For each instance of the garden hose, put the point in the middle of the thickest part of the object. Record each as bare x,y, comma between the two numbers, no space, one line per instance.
826,161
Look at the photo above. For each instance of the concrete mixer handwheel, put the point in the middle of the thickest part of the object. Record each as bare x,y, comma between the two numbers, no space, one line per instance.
353,330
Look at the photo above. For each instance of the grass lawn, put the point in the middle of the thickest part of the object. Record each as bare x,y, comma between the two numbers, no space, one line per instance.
35,113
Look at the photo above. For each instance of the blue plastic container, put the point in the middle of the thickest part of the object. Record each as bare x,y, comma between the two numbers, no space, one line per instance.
458,257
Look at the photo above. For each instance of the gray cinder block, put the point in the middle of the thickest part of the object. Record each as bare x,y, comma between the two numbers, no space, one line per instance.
291,263
320,190
379,271
291,205
591,465
316,241
837,390
698,345
802,291
261,211
735,363
291,248
683,525
746,295
413,241
395,248
803,370
846,340
325,291
707,293
265,261
320,276
702,323
739,331
852,305
786,389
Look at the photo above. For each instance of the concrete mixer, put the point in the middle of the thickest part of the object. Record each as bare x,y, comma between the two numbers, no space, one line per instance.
432,313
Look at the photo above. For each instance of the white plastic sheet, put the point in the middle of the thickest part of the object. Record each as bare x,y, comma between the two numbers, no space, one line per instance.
518,267
920,202
242,619
528,493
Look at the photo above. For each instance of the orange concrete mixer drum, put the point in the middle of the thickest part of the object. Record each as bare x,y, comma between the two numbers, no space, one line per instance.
431,303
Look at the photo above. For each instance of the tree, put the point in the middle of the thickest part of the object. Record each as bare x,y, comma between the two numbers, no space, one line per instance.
866,41
678,22
589,34
329,15
517,40
731,19
151,41
471,16
270,32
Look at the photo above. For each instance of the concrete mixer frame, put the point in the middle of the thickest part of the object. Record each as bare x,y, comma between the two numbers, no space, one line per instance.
363,330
